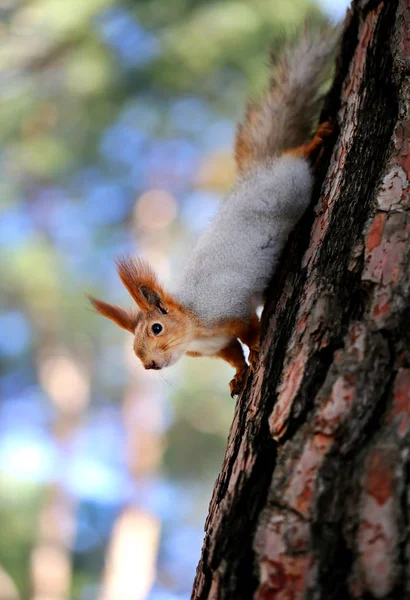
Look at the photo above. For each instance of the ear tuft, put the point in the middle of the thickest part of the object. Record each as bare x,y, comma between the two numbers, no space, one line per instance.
123,318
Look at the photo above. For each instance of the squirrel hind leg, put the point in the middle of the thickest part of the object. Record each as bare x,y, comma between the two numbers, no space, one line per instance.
237,383
313,150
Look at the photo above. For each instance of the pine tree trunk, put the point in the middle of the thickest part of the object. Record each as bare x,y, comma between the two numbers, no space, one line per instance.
313,499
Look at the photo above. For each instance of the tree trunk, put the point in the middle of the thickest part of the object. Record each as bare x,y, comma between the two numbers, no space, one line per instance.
313,497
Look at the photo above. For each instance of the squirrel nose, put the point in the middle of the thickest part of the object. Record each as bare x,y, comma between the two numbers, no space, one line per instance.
152,365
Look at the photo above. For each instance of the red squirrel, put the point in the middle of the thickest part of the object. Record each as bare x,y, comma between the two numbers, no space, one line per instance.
212,307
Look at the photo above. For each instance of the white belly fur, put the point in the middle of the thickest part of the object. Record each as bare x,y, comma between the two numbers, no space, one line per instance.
209,346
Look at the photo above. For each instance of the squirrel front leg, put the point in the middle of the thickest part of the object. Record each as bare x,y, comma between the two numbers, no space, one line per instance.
233,354
249,334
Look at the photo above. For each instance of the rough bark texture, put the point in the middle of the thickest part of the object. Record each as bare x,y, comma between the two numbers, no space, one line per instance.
313,498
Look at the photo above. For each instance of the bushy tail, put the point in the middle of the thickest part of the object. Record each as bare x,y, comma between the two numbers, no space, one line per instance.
286,115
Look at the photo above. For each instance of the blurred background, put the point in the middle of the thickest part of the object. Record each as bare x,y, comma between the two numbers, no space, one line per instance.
117,121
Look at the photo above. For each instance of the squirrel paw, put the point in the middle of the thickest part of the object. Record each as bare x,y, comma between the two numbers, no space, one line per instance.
253,358
237,384
325,129
313,150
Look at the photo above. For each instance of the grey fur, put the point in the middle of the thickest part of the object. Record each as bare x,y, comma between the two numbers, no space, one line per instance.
231,266
234,259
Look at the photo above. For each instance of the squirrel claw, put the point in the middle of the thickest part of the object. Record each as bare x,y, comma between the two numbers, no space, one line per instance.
325,129
237,384
314,150
253,358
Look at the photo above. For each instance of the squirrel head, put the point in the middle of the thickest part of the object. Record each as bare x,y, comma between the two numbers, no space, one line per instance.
162,328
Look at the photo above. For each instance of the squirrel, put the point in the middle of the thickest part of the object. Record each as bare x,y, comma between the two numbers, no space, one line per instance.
213,306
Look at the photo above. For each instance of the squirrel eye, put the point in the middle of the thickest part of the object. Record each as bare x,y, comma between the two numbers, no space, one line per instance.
156,328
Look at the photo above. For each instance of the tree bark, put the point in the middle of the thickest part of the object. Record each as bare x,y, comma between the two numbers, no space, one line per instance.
313,499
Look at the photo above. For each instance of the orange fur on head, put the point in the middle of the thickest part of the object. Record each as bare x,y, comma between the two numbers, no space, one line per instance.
165,348
156,308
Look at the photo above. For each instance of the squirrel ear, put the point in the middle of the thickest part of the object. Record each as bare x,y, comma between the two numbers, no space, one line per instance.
153,298
142,284
125,319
